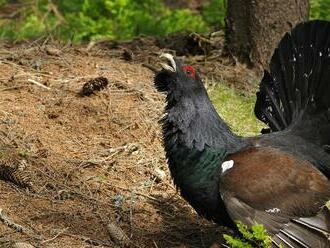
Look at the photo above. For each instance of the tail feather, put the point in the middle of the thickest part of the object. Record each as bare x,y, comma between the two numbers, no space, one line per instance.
320,223
279,240
299,76
306,232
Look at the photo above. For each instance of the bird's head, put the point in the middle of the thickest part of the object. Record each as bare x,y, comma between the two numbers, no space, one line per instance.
177,78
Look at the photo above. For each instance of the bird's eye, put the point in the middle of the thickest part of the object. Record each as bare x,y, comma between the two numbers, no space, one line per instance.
189,70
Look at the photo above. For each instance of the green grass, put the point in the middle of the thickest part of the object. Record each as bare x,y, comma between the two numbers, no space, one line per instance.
256,236
236,109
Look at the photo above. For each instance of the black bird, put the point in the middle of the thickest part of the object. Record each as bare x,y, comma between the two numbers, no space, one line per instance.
279,179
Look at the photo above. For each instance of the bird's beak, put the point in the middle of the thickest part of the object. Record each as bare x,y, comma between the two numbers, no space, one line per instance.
170,64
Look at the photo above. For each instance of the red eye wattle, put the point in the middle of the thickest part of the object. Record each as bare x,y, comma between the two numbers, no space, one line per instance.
189,70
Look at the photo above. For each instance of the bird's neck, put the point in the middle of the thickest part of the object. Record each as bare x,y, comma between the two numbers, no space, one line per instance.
196,141
192,121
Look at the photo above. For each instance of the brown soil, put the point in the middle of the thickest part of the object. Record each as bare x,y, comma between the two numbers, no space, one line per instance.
79,163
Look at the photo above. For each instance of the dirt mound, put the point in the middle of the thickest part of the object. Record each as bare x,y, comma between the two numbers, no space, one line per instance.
72,165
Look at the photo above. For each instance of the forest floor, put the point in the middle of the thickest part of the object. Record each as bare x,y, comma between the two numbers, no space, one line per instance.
90,171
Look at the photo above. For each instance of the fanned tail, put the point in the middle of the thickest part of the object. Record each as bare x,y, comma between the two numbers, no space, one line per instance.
306,232
298,84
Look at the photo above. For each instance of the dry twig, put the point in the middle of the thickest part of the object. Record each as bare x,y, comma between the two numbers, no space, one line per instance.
38,84
56,236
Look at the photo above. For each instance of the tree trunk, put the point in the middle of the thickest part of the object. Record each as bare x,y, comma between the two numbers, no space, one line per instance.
254,27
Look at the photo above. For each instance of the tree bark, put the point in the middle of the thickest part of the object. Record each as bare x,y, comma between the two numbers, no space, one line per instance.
254,27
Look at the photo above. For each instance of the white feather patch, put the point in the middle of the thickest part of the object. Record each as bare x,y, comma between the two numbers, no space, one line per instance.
273,210
227,165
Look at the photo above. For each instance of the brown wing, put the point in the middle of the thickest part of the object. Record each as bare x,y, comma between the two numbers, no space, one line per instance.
281,192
